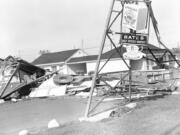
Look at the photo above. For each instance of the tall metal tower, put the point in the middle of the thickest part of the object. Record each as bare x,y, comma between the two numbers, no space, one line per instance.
121,36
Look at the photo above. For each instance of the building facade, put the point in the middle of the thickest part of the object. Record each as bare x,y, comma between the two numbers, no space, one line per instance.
57,60
78,62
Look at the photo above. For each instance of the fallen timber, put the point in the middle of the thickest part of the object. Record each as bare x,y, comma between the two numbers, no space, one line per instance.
24,87
149,82
113,83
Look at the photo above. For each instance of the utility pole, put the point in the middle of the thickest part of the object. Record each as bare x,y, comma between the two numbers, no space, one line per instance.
74,47
19,54
82,44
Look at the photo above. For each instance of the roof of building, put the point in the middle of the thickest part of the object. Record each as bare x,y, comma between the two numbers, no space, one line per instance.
83,59
22,65
54,57
155,49
114,54
175,50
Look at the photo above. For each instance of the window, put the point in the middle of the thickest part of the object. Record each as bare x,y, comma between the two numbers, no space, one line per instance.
54,68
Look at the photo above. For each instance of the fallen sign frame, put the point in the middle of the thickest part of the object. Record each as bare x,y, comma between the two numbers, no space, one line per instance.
23,73
22,88
133,38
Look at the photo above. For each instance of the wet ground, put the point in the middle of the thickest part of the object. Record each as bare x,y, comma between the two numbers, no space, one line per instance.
155,116
35,114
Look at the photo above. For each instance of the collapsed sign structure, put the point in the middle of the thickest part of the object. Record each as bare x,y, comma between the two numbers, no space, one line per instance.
17,77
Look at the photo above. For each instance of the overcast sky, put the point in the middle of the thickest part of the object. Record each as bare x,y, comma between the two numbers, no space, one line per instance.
27,26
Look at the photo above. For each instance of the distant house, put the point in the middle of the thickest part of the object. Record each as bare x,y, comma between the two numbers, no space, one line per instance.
76,61
57,60
176,52
116,63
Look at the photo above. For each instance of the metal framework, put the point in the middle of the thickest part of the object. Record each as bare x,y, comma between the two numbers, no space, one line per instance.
116,16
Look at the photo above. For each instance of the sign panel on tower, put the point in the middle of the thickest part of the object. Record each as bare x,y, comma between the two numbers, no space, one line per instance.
135,16
133,39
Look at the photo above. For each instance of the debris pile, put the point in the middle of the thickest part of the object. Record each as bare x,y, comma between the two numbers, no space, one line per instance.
59,85
48,88
19,78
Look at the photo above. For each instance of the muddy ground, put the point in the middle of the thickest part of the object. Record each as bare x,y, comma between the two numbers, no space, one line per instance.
154,116
34,114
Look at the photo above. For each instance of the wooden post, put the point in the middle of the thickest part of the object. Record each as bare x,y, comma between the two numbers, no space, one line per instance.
130,80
